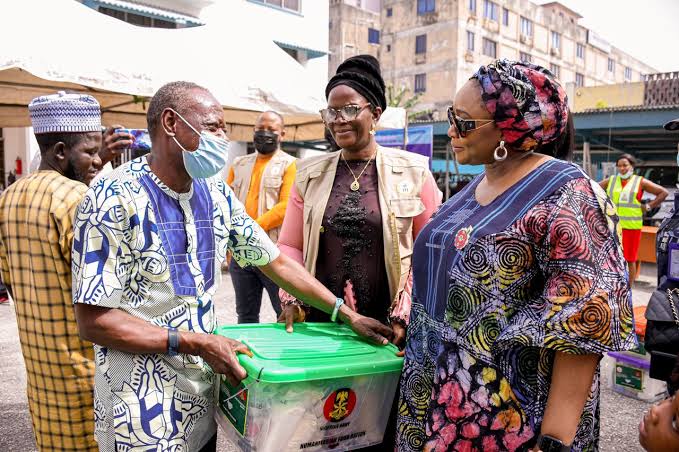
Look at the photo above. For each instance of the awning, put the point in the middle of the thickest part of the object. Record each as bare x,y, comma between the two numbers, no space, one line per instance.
122,83
310,53
637,130
146,11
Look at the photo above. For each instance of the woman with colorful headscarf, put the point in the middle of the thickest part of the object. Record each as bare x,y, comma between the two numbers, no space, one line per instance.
519,282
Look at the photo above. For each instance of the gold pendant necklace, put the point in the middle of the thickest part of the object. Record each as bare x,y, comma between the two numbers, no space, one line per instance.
355,185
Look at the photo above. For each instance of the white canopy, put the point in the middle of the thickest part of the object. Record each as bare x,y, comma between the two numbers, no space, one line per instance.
62,44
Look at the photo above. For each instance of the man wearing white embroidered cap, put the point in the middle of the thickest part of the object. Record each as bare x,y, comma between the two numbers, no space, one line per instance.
113,143
36,234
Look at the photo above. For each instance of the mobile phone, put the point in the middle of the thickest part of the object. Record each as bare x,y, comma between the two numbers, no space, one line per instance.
142,141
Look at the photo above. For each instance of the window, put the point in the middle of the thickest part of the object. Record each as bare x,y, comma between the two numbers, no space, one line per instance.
137,19
159,23
472,6
112,12
628,73
554,69
373,36
611,65
556,40
425,6
580,51
420,83
505,17
523,56
470,41
390,12
490,10
421,44
579,79
526,27
489,48
388,47
292,5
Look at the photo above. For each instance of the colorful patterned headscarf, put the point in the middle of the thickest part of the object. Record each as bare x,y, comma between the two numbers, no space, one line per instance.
529,106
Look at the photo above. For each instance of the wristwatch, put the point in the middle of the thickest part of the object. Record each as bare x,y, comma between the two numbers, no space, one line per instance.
338,304
548,443
172,341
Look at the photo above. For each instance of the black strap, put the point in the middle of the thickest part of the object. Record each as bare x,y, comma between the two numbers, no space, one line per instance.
172,341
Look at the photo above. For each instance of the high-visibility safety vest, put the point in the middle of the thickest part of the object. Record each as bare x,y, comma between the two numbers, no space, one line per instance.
626,201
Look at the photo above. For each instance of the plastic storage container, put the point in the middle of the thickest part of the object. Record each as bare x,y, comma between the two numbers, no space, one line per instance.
630,377
640,329
319,388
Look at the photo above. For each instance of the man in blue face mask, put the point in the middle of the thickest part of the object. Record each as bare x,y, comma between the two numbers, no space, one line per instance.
149,240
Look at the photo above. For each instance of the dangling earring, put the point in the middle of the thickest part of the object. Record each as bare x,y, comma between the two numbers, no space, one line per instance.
372,129
496,154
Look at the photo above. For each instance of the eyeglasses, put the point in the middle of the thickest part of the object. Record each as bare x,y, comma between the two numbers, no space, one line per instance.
347,113
464,126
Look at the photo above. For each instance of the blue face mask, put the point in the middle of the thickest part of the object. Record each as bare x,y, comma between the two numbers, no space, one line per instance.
209,158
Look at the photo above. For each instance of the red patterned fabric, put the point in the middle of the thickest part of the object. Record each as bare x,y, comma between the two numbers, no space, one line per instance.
528,104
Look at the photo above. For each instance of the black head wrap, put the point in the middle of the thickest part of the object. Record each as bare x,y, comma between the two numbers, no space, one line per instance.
362,73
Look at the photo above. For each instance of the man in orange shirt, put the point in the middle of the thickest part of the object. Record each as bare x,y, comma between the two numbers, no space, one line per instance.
262,182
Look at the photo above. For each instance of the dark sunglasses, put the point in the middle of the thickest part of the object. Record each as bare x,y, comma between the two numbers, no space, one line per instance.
464,126
348,113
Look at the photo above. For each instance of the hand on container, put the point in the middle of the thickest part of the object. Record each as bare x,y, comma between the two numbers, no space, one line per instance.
221,354
291,313
370,329
399,336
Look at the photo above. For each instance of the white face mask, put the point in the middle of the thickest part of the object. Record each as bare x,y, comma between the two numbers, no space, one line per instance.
626,175
209,158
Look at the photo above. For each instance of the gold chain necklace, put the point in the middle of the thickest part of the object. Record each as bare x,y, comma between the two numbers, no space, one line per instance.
355,185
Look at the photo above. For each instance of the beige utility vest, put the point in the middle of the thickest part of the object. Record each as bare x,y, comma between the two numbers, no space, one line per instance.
401,176
270,187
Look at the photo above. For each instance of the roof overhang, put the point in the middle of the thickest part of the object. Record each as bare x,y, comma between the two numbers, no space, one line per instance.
635,130
145,10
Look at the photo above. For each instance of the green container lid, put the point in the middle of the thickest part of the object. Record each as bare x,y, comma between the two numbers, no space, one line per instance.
314,351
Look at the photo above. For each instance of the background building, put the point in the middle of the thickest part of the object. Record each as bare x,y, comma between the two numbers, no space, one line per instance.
354,28
298,27
432,47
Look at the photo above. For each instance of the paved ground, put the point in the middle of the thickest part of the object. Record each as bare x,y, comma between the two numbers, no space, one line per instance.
619,415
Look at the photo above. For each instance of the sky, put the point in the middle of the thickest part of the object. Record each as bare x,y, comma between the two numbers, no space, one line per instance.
647,30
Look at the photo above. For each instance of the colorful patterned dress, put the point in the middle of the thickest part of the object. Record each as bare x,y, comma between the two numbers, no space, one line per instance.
498,289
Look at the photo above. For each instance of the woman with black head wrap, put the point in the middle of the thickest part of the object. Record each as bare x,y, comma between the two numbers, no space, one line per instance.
519,282
353,214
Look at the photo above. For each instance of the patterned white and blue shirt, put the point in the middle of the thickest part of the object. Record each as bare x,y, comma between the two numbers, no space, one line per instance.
156,254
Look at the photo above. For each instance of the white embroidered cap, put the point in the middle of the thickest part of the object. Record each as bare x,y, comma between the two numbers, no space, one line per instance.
65,112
